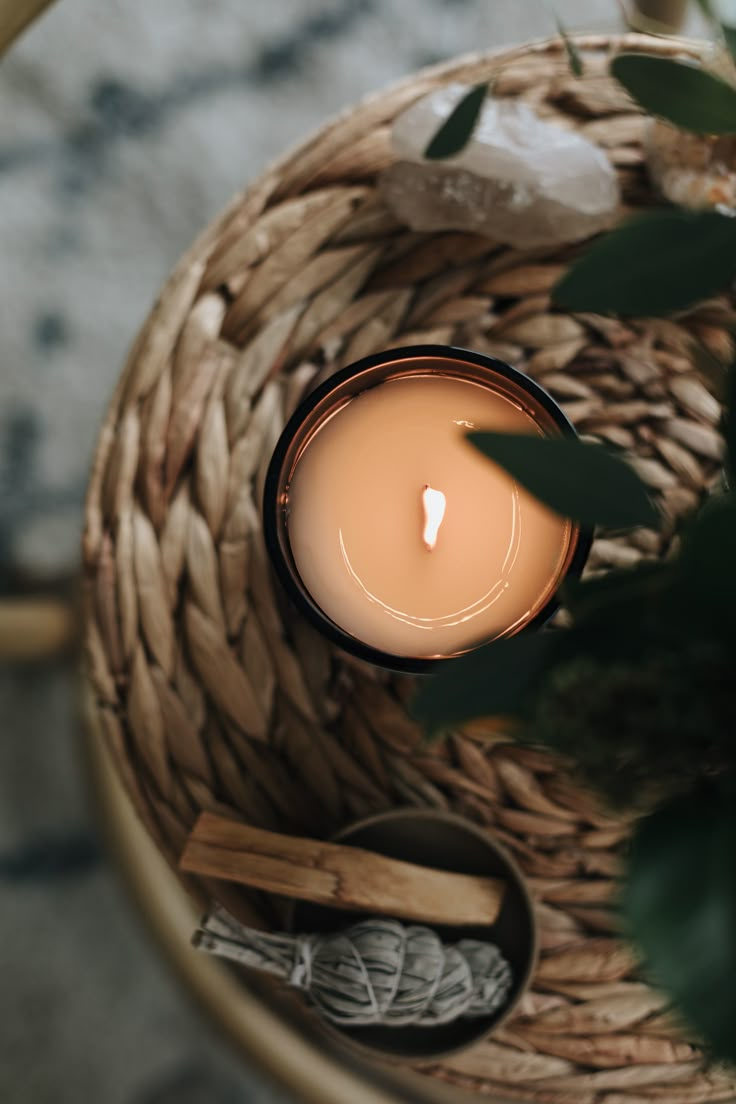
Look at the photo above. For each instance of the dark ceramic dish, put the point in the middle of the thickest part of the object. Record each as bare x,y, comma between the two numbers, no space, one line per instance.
441,840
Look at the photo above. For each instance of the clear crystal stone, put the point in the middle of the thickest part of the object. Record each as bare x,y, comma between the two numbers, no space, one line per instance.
519,180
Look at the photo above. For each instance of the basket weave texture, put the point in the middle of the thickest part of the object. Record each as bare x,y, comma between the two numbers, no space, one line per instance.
214,695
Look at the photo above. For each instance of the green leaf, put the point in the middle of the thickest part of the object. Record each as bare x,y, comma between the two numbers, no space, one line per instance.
574,59
622,591
729,34
679,91
729,424
583,482
604,608
653,264
707,557
458,127
492,680
680,907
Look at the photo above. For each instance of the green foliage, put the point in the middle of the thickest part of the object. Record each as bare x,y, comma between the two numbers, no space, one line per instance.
639,694
641,729
729,36
707,560
729,425
630,593
624,616
574,59
458,127
679,91
653,264
680,906
583,482
495,679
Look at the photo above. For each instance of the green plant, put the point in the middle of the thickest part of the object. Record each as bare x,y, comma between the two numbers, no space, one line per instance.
639,692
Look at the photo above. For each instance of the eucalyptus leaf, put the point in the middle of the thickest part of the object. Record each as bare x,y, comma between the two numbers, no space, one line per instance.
679,91
495,679
628,588
708,555
579,481
574,59
458,127
604,607
729,425
729,34
653,264
680,906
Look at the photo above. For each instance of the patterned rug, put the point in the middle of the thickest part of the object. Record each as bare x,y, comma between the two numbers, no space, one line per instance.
125,127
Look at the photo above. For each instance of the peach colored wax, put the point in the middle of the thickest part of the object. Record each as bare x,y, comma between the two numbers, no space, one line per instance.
406,536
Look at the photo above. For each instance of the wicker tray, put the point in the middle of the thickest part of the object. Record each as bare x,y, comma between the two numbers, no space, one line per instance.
214,695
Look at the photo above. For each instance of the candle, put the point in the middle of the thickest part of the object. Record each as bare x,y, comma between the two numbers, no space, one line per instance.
394,528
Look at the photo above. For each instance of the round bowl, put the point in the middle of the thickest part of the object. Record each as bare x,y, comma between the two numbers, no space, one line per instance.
445,841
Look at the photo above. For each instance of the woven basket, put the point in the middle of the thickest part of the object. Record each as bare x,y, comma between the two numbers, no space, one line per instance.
214,695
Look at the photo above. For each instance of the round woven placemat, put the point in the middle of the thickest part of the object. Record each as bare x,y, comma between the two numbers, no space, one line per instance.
214,695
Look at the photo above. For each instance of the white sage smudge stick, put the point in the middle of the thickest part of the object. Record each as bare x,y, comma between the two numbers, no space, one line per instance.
378,971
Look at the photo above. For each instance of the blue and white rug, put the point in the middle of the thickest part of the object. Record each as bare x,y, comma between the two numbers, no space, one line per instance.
125,126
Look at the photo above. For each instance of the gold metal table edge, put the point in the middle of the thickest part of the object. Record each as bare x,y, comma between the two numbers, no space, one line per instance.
16,16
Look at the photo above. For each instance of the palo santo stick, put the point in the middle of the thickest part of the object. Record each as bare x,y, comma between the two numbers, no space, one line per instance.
336,875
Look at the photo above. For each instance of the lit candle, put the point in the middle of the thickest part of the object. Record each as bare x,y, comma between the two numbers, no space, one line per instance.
394,529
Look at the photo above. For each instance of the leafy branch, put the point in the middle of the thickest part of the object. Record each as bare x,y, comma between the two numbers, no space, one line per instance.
639,691
583,482
679,903
574,60
679,91
458,128
654,264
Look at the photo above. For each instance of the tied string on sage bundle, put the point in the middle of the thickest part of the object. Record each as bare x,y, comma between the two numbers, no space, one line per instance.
377,971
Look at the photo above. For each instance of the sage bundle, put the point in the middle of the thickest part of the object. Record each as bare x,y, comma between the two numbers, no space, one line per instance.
377,971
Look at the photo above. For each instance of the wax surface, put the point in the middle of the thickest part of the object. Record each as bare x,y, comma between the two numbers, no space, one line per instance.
356,519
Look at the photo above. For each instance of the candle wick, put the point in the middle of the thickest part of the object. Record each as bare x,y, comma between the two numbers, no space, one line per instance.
434,504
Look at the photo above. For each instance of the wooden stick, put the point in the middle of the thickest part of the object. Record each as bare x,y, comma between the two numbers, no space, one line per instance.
337,875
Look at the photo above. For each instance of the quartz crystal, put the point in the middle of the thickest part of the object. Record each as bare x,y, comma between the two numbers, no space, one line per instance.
692,170
519,180
695,170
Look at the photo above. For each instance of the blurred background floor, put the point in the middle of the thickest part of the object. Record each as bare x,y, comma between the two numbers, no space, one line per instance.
124,128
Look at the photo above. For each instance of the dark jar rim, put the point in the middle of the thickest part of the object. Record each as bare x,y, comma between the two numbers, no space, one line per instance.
277,543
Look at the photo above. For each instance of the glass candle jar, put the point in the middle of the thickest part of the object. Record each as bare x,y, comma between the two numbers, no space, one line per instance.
392,532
